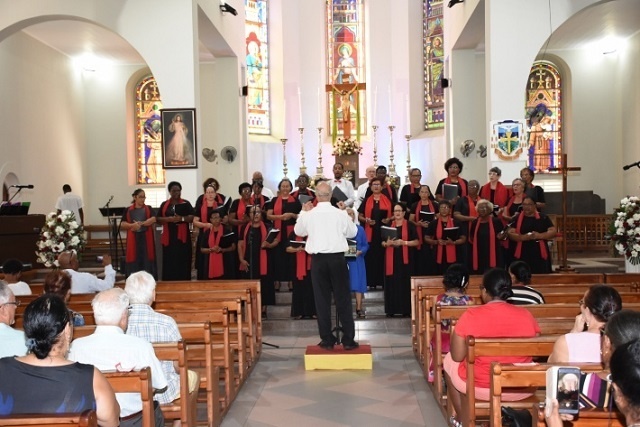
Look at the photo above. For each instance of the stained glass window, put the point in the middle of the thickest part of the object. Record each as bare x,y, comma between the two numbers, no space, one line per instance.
257,51
148,133
433,42
346,69
543,113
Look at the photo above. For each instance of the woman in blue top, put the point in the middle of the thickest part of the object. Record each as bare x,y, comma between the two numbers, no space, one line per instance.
357,270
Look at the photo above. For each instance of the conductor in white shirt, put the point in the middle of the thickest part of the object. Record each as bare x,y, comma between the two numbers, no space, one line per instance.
86,283
343,184
327,229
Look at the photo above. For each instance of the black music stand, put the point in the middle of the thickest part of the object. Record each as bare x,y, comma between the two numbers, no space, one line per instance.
116,246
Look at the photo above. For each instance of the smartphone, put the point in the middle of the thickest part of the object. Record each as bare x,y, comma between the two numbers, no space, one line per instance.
563,384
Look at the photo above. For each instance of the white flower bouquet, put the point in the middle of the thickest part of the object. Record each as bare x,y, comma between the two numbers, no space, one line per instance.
346,147
625,229
60,233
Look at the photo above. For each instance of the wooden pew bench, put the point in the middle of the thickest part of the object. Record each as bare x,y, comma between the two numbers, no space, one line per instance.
87,418
135,382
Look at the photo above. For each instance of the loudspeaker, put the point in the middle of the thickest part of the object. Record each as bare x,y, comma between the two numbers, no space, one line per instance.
245,90
445,83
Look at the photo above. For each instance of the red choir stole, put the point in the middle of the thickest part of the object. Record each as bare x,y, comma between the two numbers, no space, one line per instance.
451,249
183,227
216,265
500,195
461,184
492,244
417,218
543,245
388,191
203,210
263,251
472,207
242,209
303,261
261,199
277,210
131,239
385,204
405,250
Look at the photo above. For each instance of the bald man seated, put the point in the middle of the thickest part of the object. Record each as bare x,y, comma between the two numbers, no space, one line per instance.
86,283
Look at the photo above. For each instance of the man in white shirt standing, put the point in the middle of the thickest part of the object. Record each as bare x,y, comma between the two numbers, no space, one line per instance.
85,283
110,349
328,229
343,184
12,339
70,202
362,189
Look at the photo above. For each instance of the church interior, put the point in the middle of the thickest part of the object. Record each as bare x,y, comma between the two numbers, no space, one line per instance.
73,79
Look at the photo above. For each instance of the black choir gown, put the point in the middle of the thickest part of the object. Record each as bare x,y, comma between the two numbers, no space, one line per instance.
484,246
532,252
442,266
374,259
424,259
252,255
229,259
397,287
303,303
280,261
176,257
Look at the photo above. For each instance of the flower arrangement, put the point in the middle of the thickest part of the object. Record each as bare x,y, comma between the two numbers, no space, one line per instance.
60,233
625,229
346,147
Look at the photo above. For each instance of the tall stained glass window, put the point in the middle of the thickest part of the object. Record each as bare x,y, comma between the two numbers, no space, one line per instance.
543,113
346,69
433,42
148,133
257,51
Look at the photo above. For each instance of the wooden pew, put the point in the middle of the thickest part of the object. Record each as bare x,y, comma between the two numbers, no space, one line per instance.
184,408
199,311
613,278
509,376
135,382
87,418
500,347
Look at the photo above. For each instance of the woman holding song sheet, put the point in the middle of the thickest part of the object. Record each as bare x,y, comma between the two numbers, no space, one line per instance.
422,213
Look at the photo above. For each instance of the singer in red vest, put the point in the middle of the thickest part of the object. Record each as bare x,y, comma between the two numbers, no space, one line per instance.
529,235
138,220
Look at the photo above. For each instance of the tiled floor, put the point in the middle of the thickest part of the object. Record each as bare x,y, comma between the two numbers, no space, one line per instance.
280,392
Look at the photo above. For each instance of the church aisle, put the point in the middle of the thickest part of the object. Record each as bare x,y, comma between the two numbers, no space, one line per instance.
280,392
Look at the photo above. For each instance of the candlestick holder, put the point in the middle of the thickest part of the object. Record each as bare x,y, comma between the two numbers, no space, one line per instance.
408,138
284,156
303,168
375,146
319,171
392,166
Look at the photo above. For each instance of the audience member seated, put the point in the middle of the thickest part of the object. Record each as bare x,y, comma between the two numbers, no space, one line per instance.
85,283
58,283
523,294
109,349
12,340
45,381
455,281
495,318
625,378
154,327
582,343
12,269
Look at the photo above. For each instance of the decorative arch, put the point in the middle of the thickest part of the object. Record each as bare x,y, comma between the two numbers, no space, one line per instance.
543,114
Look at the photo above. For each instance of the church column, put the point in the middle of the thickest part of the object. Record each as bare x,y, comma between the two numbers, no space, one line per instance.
511,48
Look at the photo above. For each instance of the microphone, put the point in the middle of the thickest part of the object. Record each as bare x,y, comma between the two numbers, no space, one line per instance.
107,204
22,186
624,167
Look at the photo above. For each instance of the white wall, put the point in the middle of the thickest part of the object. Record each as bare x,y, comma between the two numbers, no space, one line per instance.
43,134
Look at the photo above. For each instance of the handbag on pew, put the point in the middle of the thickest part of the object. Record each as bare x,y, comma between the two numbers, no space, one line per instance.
515,417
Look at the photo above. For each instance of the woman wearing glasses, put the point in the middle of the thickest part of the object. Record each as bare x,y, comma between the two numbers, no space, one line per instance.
529,233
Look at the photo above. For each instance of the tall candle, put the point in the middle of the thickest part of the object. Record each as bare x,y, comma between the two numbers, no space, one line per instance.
300,106
408,117
375,106
390,107
319,109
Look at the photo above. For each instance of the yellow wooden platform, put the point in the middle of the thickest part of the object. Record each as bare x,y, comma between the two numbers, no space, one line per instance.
338,359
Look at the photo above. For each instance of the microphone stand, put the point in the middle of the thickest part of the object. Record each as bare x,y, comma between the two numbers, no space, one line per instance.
14,195
114,234
251,274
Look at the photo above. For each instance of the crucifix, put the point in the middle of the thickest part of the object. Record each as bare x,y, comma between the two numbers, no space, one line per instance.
345,91
564,268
